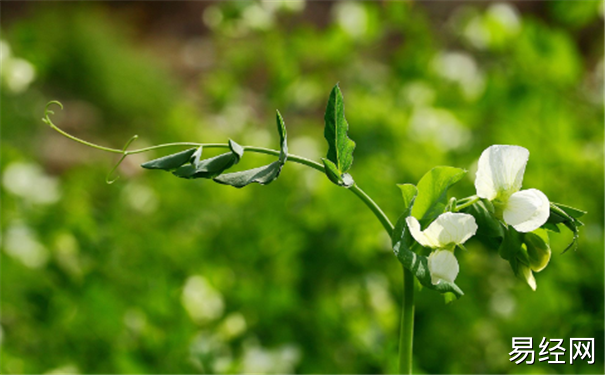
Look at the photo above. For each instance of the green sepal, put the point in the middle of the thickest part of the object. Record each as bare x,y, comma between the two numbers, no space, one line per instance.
211,167
511,244
551,227
432,193
451,205
568,216
576,213
449,297
334,175
403,245
170,162
340,147
514,250
490,230
525,273
262,175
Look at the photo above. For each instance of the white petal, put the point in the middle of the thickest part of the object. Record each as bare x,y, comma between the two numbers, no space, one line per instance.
443,266
418,235
500,170
527,210
451,228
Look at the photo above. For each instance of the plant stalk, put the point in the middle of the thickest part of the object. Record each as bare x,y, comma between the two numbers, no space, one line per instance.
406,334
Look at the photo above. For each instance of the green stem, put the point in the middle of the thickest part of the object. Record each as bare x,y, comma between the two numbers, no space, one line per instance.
406,334
407,316
472,200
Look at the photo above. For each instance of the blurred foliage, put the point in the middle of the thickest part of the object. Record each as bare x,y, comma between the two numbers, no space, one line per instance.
155,274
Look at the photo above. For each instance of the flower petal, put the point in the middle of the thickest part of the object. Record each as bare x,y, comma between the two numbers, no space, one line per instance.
419,235
500,170
443,266
527,210
451,228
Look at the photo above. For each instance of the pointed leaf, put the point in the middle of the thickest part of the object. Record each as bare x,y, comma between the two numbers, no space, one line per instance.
236,149
262,175
283,138
211,167
170,162
432,192
340,147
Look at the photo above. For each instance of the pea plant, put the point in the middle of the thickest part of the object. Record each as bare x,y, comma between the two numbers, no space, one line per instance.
514,222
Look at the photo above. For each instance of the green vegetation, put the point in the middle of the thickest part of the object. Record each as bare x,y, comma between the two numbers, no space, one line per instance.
155,274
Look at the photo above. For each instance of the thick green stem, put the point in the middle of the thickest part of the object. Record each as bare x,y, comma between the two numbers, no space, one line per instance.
407,316
406,335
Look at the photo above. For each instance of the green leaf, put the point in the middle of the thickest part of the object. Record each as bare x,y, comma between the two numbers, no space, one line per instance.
283,138
211,167
408,192
262,175
340,179
340,147
432,192
170,162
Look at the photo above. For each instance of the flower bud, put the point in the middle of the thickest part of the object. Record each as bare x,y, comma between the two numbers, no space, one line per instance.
538,251
524,273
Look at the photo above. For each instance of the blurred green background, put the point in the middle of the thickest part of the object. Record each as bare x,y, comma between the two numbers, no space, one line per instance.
155,274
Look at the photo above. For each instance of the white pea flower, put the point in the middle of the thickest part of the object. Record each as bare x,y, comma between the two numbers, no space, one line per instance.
443,266
499,179
447,231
